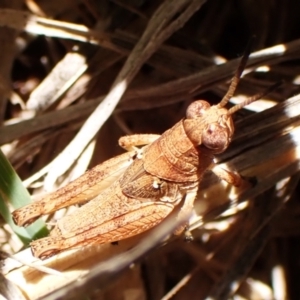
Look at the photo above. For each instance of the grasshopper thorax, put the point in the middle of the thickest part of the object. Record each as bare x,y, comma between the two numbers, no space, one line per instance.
209,126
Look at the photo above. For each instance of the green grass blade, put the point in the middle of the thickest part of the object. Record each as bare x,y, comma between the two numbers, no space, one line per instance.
12,191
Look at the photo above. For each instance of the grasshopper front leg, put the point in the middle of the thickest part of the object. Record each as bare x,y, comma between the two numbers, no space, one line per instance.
231,177
186,210
130,142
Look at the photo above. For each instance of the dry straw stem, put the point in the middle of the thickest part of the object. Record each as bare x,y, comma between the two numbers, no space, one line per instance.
170,92
21,20
258,223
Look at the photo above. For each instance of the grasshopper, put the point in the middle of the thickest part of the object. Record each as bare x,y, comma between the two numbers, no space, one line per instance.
135,191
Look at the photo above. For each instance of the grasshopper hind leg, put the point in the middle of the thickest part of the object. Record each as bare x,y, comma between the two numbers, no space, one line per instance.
119,228
27,214
46,247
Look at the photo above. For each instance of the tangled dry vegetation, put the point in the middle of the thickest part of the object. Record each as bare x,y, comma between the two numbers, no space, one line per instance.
77,75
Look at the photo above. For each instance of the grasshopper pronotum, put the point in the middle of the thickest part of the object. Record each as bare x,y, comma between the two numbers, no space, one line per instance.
135,191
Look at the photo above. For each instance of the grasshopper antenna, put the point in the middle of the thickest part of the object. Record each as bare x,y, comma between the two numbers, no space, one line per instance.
236,78
237,107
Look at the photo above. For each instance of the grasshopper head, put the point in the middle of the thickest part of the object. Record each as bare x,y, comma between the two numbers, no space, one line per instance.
209,126
212,126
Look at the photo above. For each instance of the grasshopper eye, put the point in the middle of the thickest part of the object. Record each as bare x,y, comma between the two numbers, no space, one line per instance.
215,137
197,109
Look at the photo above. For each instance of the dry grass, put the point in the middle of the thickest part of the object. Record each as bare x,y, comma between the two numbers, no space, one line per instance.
77,75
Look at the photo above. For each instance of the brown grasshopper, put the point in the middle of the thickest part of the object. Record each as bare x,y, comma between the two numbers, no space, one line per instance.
135,191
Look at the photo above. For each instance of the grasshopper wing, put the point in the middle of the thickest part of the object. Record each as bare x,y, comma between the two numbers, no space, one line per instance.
81,190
